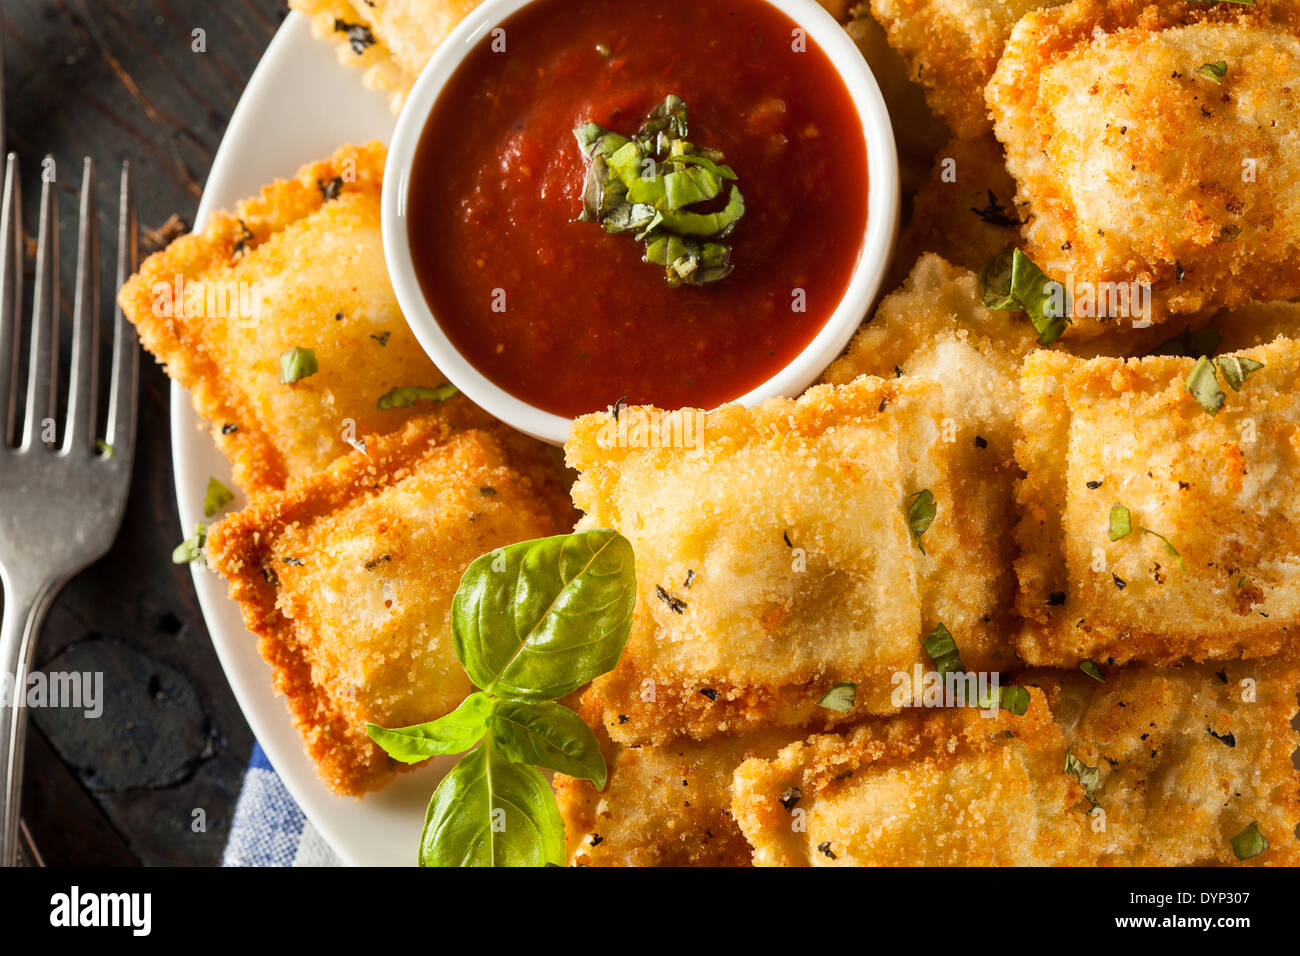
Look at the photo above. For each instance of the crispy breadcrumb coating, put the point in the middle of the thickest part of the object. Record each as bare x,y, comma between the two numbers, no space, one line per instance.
1221,491
774,557
1136,163
347,578
1185,759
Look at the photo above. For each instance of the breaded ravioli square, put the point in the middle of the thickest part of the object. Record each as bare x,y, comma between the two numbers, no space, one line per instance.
347,579
663,806
775,559
301,266
1152,530
1149,768
388,40
1138,162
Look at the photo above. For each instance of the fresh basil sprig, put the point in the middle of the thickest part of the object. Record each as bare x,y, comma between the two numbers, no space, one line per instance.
530,623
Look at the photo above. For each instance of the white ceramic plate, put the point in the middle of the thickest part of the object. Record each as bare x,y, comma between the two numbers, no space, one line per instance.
300,105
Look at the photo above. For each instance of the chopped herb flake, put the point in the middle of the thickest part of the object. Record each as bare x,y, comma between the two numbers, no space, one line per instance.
405,396
920,515
216,497
1089,777
191,548
840,698
1204,386
1236,369
297,363
1249,843
1093,670
1121,522
941,647
1011,282
1214,72
675,604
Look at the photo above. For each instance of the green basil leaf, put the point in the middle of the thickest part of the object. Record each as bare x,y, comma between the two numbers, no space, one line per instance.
405,396
1090,777
840,698
1249,843
297,363
920,515
1236,369
1121,522
942,648
1204,386
546,734
191,549
491,812
450,734
216,497
1169,546
540,618
1093,670
1214,72
1012,282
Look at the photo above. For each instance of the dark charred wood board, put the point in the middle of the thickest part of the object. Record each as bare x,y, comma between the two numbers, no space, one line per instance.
153,780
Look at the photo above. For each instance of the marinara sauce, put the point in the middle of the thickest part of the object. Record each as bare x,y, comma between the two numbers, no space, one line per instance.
568,317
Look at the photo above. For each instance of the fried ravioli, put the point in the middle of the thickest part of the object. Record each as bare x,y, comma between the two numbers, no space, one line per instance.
1138,163
952,48
389,40
774,556
301,266
347,578
1178,763
663,806
1209,566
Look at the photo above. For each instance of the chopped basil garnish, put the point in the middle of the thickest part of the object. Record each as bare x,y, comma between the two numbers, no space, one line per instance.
1236,369
297,363
105,449
191,548
1011,282
941,647
407,395
1121,522
216,497
645,186
920,515
1169,546
1093,670
1214,72
1012,698
840,698
1090,777
1204,386
1249,843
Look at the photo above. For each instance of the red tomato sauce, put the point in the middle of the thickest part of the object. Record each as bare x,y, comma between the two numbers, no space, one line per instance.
568,317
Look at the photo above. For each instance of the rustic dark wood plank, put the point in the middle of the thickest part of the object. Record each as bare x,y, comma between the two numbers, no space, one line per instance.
120,80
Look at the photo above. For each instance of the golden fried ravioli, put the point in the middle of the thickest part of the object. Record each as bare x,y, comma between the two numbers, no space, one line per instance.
663,806
347,578
1150,529
1159,145
952,48
774,556
1151,768
389,40
301,266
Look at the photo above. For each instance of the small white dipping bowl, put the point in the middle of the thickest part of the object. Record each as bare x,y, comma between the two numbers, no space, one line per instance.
864,284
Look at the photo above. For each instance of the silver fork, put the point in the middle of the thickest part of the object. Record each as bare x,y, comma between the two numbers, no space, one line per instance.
61,501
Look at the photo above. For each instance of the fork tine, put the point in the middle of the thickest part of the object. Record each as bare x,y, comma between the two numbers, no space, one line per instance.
11,297
126,356
82,394
42,373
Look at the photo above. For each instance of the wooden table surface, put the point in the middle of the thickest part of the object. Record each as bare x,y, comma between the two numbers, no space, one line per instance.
155,778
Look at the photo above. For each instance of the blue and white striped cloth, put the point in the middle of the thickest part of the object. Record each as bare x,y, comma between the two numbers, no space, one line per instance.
269,828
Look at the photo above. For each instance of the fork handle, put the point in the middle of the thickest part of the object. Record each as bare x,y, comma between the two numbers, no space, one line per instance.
25,608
